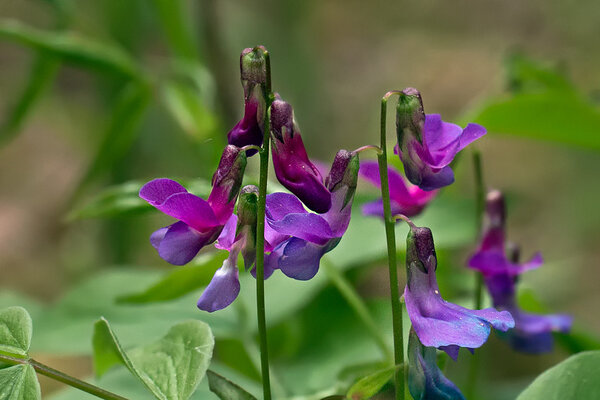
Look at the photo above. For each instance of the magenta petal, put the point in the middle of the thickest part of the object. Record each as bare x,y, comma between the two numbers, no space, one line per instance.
374,208
157,191
307,226
280,204
191,209
227,237
471,133
398,187
180,244
441,141
301,259
222,290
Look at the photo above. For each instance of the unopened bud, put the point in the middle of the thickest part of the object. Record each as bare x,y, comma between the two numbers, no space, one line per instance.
410,117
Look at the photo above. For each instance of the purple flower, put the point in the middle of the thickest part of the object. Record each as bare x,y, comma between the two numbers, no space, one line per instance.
200,221
249,130
300,238
425,380
426,144
405,198
437,322
533,332
291,163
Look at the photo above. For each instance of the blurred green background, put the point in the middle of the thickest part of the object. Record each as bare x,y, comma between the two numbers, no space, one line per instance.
97,93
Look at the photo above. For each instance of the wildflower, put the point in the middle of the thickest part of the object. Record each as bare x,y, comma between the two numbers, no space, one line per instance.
533,332
305,237
200,221
249,130
439,323
425,379
290,161
238,236
405,198
426,144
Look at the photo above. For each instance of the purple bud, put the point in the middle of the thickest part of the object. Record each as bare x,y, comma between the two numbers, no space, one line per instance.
410,117
420,250
343,174
292,166
253,66
494,222
227,181
248,131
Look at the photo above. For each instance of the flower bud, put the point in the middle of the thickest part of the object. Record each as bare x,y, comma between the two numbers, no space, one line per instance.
227,180
494,222
253,67
246,227
410,117
420,250
343,174
292,166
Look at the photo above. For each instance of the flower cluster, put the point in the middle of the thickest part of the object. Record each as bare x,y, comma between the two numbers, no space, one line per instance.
533,332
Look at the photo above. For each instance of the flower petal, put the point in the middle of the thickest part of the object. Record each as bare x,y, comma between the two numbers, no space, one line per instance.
471,133
158,236
157,191
307,226
222,290
300,259
191,209
227,236
280,204
180,243
431,180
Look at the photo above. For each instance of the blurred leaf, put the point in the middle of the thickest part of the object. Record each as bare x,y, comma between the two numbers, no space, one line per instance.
15,331
574,378
121,132
175,21
19,382
171,368
527,75
180,281
370,385
41,76
71,47
225,389
187,107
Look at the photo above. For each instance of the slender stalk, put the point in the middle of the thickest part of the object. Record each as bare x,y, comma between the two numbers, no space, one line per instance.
260,237
399,377
358,305
62,377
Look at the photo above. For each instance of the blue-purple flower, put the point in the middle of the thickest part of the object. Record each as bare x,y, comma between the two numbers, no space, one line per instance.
200,221
299,238
426,144
291,163
425,380
533,332
439,323
405,198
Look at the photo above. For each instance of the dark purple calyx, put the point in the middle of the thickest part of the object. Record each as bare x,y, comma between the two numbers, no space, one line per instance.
344,175
420,251
226,182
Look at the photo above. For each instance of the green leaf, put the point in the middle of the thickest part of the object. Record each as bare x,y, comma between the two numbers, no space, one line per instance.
71,47
41,76
225,389
174,18
15,331
170,368
179,282
19,382
574,378
368,386
121,132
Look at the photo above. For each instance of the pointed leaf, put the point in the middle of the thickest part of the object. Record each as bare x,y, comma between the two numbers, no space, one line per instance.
171,368
19,382
368,386
15,331
225,389
574,378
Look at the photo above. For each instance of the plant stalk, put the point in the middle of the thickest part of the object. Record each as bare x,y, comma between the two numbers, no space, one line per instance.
62,377
400,375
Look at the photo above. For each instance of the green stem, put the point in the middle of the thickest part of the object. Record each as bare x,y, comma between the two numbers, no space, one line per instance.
357,304
260,237
61,377
399,376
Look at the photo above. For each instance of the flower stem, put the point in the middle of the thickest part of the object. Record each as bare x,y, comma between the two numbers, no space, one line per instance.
62,377
260,236
399,376
357,304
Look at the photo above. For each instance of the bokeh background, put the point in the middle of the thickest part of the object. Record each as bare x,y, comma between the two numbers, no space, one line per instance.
74,124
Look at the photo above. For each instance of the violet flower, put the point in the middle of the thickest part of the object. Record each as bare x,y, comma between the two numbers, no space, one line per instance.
533,332
405,198
439,323
291,163
249,130
200,221
425,380
426,144
300,238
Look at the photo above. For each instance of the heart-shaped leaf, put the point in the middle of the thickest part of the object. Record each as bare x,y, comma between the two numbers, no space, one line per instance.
15,331
19,382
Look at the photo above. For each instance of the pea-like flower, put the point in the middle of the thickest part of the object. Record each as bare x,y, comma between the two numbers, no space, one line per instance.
405,198
425,380
200,221
439,323
291,163
426,144
249,130
533,332
304,237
